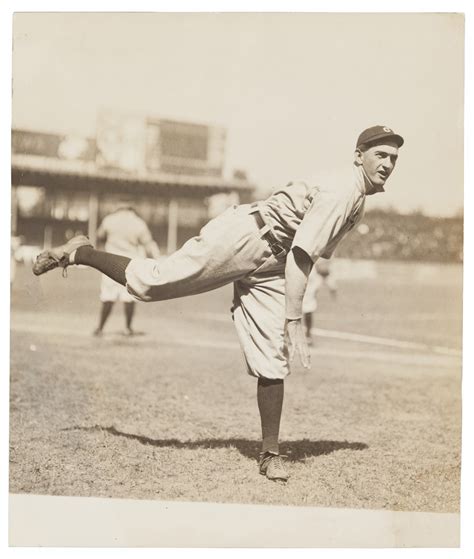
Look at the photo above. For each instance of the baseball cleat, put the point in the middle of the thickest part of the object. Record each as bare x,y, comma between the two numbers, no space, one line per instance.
272,466
58,257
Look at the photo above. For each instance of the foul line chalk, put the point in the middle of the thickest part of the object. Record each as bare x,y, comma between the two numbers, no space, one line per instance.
348,336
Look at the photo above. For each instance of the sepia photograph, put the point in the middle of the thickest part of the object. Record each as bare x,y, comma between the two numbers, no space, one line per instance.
236,279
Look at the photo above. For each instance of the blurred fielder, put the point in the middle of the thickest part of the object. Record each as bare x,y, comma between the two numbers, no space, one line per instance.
15,243
266,250
125,234
320,275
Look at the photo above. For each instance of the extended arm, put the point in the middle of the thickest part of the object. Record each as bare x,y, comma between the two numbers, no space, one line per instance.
297,270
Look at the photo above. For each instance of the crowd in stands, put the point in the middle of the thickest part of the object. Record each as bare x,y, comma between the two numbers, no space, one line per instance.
386,235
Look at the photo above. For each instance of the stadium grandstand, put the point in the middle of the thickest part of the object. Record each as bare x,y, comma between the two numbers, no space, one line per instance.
170,171
387,235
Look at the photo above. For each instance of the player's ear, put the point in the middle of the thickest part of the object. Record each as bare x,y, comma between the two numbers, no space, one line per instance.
358,157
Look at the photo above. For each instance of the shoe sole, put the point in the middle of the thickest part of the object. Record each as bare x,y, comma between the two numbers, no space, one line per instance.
285,479
42,268
38,269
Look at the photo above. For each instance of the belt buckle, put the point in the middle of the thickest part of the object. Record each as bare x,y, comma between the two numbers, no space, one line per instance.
278,250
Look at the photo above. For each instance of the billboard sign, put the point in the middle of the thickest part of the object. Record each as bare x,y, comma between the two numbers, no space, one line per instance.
121,142
135,145
182,147
57,146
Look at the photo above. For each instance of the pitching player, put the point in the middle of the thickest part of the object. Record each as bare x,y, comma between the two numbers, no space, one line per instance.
126,234
320,275
267,250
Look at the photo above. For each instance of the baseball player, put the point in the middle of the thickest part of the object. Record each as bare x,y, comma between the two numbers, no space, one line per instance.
126,234
320,275
266,250
15,244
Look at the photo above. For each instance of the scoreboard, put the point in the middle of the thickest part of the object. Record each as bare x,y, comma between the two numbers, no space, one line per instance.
143,145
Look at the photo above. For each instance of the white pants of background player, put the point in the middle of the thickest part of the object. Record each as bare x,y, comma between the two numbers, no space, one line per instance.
315,283
229,249
111,291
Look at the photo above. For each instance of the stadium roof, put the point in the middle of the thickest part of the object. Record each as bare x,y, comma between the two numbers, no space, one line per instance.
32,170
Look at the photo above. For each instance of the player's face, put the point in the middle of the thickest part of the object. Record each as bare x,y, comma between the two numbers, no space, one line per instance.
378,163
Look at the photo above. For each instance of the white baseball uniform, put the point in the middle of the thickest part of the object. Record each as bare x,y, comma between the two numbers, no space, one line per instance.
320,274
232,248
126,234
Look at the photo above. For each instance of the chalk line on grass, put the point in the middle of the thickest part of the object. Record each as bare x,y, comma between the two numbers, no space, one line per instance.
351,337
431,360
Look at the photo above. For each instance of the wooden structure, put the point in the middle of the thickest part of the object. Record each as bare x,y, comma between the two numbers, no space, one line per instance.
59,189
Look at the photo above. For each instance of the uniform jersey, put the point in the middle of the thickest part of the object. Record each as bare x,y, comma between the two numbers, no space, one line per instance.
124,232
313,218
232,249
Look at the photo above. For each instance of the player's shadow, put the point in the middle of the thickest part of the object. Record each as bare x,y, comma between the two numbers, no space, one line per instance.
296,451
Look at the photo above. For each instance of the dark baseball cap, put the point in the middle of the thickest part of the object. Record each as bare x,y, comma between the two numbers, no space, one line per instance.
374,134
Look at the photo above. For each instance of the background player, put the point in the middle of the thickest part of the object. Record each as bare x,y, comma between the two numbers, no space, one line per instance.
267,251
320,275
126,234
15,243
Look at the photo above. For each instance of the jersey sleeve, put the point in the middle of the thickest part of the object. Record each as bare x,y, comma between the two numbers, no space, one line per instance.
322,226
101,233
144,236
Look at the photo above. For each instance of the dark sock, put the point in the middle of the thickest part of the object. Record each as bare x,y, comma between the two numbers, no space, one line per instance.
129,311
270,404
308,321
105,313
111,265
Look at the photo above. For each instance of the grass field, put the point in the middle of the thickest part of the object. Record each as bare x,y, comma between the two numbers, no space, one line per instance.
172,415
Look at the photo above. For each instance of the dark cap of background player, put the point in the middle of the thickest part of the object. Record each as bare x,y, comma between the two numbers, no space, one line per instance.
376,134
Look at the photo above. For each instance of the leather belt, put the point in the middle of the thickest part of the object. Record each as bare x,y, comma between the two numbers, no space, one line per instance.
276,247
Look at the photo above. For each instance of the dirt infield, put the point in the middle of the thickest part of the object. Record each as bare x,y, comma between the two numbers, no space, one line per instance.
171,414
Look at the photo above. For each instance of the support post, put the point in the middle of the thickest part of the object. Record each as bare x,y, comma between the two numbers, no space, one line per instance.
93,217
48,236
173,211
14,210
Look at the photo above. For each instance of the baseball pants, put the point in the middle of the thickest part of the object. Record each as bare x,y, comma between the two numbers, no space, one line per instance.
111,291
229,249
